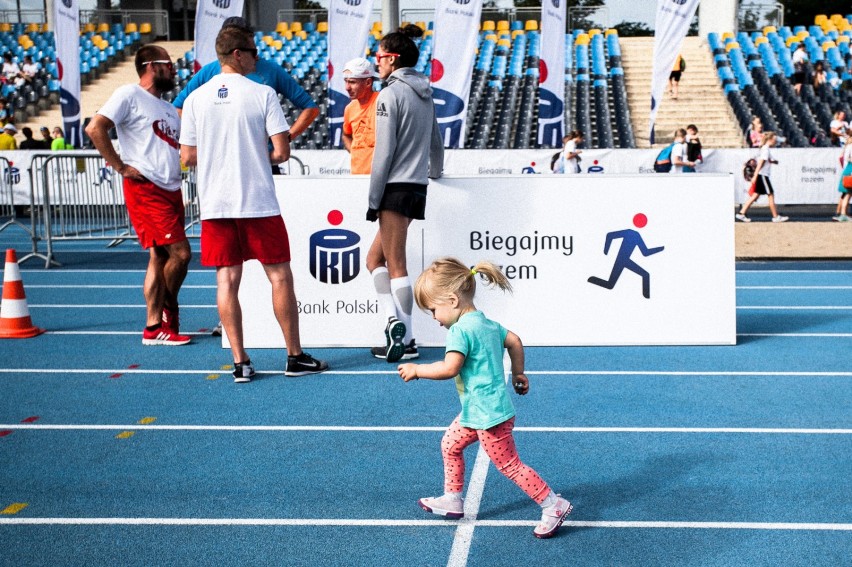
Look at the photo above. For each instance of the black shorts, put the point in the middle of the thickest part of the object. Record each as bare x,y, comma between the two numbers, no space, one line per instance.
675,76
763,186
799,78
407,199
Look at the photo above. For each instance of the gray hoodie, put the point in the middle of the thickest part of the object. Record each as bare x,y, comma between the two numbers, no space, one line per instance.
408,147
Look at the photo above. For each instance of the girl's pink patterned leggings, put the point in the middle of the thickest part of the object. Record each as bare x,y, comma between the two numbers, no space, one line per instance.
499,445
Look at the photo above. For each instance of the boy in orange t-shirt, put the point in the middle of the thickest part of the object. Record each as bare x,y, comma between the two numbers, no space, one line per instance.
359,116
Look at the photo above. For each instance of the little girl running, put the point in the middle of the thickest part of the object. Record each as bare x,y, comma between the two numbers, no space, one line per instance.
474,357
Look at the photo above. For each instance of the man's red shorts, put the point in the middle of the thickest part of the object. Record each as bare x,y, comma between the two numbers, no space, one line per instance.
157,215
230,242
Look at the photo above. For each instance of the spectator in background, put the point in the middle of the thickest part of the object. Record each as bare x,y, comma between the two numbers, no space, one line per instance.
571,153
760,184
674,77
11,71
359,116
838,129
754,134
800,71
4,112
693,148
46,139
7,138
819,75
29,142
843,203
679,159
58,143
29,69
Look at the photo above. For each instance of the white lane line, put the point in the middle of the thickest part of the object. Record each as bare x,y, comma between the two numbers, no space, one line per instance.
794,287
198,333
792,307
771,526
81,286
109,306
464,531
779,335
406,428
186,372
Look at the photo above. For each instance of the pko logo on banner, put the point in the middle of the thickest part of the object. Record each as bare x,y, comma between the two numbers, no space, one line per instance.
334,252
13,174
679,2
353,2
462,2
223,4
67,3
555,3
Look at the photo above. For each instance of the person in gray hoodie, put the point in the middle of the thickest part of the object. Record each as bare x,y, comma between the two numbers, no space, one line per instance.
408,152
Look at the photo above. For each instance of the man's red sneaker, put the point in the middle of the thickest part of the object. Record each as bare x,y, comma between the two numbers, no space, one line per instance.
163,336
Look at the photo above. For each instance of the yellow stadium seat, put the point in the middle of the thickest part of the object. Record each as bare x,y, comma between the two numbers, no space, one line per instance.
22,39
488,25
530,25
503,25
611,31
826,45
302,34
88,28
820,18
582,39
278,45
516,33
322,27
296,27
267,39
145,27
32,28
802,35
791,40
491,37
593,32
427,33
282,27
421,25
843,39
131,28
836,18
505,43
103,27
731,45
5,27
760,41
288,35
769,29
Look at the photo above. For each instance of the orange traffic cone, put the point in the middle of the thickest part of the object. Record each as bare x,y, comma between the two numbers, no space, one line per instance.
15,322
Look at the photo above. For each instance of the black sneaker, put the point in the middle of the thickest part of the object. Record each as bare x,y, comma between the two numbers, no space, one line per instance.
304,364
243,372
395,332
410,351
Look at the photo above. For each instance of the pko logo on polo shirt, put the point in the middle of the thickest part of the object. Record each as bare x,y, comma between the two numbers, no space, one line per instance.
223,92
12,175
679,2
335,254
224,4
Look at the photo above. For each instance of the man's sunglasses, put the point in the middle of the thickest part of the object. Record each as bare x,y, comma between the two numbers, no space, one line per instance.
161,62
252,50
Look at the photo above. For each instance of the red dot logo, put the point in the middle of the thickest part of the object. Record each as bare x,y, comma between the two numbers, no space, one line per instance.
335,217
640,220
330,70
542,71
437,71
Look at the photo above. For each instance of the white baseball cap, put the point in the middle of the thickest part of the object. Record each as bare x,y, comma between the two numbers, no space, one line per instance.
10,128
358,68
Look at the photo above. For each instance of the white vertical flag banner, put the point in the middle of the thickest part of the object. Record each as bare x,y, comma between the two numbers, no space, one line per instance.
673,19
66,17
209,15
551,78
349,23
453,54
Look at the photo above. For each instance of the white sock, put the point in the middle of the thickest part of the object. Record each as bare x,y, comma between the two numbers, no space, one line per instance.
453,495
381,281
550,500
403,298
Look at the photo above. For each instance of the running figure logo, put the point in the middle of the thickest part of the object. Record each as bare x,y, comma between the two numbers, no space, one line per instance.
630,239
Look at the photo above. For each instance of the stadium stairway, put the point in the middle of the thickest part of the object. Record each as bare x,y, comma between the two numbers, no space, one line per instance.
700,101
96,93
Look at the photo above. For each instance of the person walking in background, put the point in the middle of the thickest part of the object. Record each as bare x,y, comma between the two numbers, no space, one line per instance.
760,183
679,159
58,143
474,359
843,203
571,153
675,76
800,61
266,73
29,142
46,139
230,120
838,129
7,137
408,152
693,148
359,116
148,130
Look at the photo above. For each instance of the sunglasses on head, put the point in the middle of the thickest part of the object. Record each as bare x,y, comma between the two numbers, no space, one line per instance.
166,62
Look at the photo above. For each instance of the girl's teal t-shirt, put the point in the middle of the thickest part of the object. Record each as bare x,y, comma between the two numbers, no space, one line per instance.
481,383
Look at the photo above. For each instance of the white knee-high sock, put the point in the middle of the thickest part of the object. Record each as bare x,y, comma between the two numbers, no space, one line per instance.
403,298
382,283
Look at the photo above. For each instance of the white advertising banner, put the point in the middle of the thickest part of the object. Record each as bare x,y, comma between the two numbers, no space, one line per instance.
349,24
66,21
209,15
629,273
673,19
551,92
456,32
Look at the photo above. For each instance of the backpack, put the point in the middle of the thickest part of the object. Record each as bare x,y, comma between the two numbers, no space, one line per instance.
663,163
682,64
748,169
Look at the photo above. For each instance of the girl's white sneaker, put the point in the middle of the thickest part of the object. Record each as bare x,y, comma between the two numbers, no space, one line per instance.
552,517
452,508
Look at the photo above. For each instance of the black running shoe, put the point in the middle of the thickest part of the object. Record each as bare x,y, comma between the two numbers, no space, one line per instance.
396,334
410,351
243,372
304,364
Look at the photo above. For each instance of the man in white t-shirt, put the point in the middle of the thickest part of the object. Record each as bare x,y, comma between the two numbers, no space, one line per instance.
148,129
226,125
679,152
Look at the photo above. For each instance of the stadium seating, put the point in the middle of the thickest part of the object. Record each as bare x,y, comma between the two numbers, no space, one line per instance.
756,70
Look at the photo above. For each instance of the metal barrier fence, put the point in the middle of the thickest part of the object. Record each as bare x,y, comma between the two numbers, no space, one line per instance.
77,196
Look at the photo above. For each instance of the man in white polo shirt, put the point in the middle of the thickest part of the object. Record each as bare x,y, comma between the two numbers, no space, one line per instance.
226,125
148,129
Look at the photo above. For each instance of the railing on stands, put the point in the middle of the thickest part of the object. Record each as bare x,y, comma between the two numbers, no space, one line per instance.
508,14
23,16
159,19
77,196
582,17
